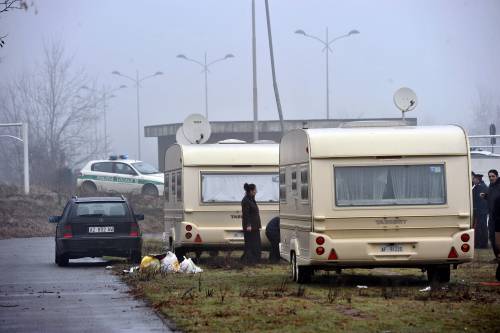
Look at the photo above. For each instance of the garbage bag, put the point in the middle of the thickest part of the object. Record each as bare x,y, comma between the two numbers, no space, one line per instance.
170,263
188,266
149,263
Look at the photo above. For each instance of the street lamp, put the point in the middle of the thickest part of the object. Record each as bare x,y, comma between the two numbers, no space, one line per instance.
106,94
326,43
137,81
205,67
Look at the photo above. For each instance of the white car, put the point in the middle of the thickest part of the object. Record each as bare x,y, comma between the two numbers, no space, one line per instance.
120,175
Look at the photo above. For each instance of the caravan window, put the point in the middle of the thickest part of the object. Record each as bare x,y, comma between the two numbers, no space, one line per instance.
390,185
283,185
166,189
228,187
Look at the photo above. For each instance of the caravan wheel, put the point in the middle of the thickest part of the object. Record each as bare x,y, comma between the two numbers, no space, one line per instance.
293,264
301,274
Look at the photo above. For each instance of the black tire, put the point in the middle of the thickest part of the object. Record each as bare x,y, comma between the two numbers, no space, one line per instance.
62,260
180,253
213,253
136,257
292,268
438,274
88,188
302,274
150,190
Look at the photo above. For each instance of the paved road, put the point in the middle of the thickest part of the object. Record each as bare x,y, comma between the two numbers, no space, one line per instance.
38,296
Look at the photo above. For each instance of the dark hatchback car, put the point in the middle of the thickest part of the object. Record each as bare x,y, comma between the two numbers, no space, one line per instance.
96,227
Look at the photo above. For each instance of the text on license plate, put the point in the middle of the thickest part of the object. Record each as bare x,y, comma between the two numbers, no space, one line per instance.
237,234
391,248
93,230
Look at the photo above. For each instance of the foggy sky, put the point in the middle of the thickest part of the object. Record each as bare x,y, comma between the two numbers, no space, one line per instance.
444,50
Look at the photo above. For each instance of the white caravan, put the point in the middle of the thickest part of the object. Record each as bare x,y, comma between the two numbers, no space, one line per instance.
204,189
395,196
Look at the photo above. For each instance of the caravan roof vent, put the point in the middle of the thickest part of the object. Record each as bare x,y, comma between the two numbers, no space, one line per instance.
231,141
374,123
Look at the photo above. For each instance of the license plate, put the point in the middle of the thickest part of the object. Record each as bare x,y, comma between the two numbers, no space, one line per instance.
94,230
237,234
391,248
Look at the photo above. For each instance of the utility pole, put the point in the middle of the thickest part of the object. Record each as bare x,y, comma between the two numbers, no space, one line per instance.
275,84
254,68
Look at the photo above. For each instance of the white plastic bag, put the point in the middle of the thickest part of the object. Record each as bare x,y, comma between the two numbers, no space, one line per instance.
188,266
170,264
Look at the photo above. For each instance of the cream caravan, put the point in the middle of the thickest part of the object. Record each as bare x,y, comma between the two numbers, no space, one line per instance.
375,197
204,188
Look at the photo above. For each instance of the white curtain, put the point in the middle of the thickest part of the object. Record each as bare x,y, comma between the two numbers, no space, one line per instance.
390,185
418,184
229,187
360,185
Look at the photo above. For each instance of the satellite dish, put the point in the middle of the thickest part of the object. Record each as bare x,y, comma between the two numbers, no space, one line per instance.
196,129
180,138
405,100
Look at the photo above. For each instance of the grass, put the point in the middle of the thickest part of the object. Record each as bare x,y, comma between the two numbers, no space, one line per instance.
228,297
26,215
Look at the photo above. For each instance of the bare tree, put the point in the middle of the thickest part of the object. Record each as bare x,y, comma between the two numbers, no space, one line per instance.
10,5
61,121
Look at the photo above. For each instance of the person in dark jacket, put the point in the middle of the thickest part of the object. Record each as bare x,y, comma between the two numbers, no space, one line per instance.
480,209
495,218
251,225
273,234
490,195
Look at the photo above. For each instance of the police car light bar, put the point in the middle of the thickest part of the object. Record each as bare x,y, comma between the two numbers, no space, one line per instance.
124,156
113,157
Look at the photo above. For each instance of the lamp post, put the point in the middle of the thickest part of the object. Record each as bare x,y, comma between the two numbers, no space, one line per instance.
326,43
137,81
106,94
205,67
24,140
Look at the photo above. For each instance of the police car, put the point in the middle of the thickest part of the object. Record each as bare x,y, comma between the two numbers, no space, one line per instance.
121,175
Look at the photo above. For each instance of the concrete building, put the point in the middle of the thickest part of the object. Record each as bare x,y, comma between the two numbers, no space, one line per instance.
243,130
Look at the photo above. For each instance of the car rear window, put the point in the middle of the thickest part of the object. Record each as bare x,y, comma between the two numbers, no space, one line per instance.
102,167
101,209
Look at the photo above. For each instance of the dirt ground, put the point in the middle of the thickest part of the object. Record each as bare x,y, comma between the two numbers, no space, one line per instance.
26,215
229,297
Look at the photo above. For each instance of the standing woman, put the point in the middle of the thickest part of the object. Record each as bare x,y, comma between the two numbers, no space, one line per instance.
251,224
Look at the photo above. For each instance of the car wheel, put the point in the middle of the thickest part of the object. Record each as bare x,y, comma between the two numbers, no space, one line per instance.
88,188
213,254
136,257
62,260
150,190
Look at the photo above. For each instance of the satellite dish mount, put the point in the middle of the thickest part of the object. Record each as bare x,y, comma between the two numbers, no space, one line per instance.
405,100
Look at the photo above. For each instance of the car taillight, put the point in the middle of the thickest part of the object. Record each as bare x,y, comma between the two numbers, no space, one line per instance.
465,247
333,255
453,253
67,232
189,227
134,230
320,250
465,237
189,235
320,240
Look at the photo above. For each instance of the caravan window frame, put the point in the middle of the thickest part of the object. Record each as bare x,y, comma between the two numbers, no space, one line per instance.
441,164
232,172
